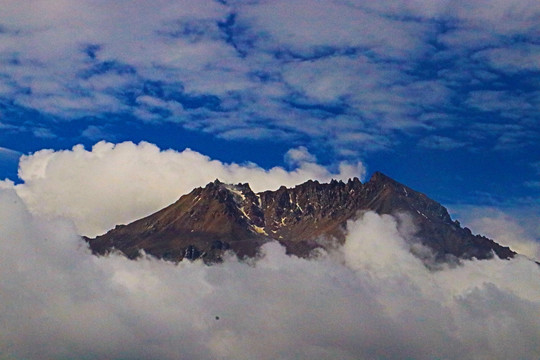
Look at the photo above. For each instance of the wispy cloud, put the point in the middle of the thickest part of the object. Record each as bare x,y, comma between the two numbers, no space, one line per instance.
9,153
441,142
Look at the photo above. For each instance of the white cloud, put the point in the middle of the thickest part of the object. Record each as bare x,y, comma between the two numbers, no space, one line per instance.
517,107
299,155
333,79
95,133
512,59
118,183
308,26
60,302
499,16
360,253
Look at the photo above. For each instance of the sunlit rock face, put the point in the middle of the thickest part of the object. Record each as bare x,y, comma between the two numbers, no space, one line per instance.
221,217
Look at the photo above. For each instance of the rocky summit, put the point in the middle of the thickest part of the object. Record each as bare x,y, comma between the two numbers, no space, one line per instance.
220,217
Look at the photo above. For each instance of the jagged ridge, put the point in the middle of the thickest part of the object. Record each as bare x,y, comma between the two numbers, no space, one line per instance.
219,217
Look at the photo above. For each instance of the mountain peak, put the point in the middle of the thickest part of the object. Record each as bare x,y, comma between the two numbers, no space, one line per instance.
378,176
220,217
383,179
214,184
354,180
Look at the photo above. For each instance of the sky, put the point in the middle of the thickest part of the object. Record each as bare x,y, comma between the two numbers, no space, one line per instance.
110,111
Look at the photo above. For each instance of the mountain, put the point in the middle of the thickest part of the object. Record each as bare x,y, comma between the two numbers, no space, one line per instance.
219,217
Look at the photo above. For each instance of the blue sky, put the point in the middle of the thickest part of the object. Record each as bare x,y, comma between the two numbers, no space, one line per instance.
441,95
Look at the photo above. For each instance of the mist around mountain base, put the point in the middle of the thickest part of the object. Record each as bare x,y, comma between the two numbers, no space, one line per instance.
369,299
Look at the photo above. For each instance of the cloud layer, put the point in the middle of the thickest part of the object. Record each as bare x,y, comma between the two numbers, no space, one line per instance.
60,302
349,74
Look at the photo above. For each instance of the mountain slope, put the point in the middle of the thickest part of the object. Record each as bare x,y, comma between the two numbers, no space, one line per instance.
219,217
205,221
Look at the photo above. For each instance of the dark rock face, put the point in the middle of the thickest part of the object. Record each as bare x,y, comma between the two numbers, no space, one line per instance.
219,217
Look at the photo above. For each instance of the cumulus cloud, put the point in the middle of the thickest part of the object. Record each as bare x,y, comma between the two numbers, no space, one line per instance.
118,183
298,156
370,299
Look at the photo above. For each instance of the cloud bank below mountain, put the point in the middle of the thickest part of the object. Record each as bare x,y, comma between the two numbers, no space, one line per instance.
60,302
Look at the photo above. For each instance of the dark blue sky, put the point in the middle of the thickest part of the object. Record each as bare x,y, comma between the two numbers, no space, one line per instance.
443,98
